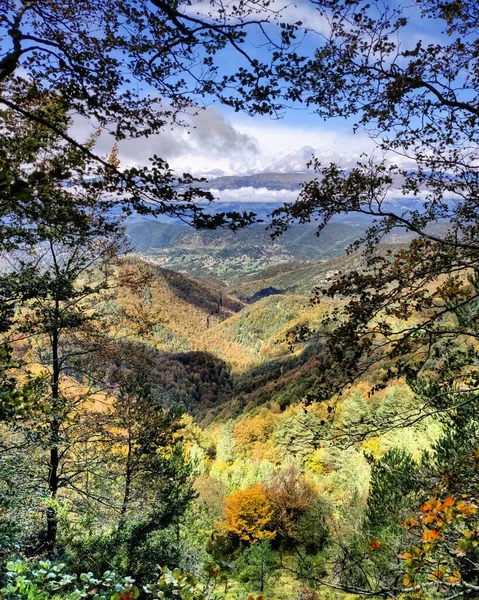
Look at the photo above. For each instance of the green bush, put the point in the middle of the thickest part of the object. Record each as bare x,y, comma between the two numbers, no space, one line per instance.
46,580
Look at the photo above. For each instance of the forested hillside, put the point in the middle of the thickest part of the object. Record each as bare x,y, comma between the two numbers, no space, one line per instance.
228,256
249,431
239,300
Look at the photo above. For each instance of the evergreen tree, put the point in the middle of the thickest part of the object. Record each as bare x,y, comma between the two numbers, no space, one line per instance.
257,564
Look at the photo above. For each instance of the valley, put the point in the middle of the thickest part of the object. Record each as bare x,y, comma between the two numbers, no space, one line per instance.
239,300
218,351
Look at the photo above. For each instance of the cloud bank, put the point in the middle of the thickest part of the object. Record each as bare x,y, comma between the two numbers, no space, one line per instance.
213,145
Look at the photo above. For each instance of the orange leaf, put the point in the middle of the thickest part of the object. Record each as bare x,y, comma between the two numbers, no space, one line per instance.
409,523
448,502
430,534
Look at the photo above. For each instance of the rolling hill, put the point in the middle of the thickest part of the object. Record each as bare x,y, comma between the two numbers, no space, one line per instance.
229,255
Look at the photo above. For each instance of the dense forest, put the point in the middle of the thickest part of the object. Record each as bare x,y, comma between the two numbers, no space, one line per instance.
215,404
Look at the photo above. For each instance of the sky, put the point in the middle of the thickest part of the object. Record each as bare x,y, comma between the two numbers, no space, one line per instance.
219,141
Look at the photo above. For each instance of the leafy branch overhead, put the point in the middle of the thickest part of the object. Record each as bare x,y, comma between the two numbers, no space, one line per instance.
419,101
132,68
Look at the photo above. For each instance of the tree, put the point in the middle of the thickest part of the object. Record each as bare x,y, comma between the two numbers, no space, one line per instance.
419,101
225,444
132,68
443,551
140,437
134,483
154,533
312,529
58,320
291,495
247,515
60,238
419,534
257,564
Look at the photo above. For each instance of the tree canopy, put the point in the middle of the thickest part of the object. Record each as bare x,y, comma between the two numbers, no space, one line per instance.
132,68
418,99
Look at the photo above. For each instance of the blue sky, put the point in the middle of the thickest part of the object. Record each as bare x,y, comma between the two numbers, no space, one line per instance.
222,142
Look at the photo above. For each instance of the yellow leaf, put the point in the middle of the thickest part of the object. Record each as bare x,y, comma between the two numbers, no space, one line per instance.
430,534
455,577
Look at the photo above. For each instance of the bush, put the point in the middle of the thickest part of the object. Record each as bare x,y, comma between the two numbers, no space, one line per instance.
48,581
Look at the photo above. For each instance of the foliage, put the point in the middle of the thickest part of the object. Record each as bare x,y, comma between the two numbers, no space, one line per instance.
44,580
423,512
394,481
257,564
145,65
444,525
404,303
247,515
291,495
61,239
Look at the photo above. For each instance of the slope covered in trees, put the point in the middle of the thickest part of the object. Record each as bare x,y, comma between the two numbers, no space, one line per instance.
266,487
265,478
230,256
290,448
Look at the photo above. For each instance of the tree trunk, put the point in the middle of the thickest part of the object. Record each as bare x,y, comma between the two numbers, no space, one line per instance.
53,467
52,521
127,492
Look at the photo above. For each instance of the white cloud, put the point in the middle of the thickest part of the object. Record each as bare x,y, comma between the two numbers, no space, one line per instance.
280,11
208,142
214,145
285,148
251,194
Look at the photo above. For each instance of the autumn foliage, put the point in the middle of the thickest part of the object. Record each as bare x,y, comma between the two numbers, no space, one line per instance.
290,495
448,540
248,515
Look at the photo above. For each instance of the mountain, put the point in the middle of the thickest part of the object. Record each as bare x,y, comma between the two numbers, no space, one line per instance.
293,277
270,181
207,352
165,309
229,255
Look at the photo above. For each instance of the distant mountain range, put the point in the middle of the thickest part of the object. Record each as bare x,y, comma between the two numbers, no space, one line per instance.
228,256
271,181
